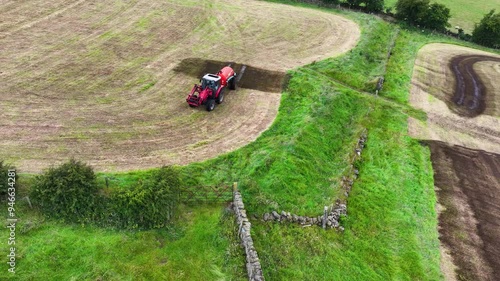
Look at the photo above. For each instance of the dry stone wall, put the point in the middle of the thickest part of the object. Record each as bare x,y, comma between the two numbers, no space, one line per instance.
253,266
331,214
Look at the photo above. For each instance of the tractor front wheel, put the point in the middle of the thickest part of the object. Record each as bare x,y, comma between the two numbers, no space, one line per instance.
210,104
220,98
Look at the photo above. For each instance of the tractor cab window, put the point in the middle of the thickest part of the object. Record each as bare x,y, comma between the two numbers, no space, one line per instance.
210,84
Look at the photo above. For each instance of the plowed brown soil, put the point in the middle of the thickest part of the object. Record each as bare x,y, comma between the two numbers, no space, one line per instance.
249,77
469,98
468,186
94,79
458,89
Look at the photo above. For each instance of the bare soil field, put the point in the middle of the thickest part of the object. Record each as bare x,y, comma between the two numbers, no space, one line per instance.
468,187
103,81
457,87
437,91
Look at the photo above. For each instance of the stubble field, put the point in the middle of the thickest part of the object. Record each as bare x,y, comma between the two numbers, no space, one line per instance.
95,79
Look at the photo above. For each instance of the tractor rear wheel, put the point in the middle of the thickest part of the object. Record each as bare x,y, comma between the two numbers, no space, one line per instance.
232,83
210,104
220,98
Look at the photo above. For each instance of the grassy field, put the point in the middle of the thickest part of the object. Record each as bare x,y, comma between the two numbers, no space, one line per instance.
464,13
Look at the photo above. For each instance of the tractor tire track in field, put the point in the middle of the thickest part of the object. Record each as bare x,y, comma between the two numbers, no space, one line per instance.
249,77
470,92
468,187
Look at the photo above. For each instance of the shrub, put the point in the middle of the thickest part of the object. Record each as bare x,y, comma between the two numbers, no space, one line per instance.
4,177
333,2
148,204
412,11
437,17
422,13
374,5
371,5
68,192
487,32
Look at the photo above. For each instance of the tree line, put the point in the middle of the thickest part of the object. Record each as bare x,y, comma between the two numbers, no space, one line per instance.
435,16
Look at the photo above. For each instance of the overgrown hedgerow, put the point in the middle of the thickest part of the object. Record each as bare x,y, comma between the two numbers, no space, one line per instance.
70,192
4,172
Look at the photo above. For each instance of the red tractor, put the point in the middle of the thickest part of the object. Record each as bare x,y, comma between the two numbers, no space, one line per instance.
212,88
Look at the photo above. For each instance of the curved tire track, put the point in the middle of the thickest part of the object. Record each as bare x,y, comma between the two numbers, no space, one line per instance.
470,92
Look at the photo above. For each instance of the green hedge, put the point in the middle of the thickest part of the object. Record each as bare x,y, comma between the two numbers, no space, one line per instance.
148,204
70,192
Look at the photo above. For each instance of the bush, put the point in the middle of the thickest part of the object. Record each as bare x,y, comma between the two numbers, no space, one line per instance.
422,13
371,5
148,204
487,32
4,177
68,192
374,5
437,17
333,2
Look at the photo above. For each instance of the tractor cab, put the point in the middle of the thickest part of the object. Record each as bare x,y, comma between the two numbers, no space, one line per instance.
211,81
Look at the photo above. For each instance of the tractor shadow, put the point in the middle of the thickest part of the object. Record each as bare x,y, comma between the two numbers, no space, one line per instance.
249,77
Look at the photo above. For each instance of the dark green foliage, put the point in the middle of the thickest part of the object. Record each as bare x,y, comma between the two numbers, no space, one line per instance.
422,13
374,5
67,192
4,177
331,1
70,192
437,17
412,11
371,5
355,2
487,32
148,204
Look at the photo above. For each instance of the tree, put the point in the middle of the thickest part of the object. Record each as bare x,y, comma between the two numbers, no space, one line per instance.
354,2
487,32
437,17
374,5
371,5
424,14
412,11
331,1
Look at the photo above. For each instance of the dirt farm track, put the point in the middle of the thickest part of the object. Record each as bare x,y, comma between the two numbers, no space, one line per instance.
96,80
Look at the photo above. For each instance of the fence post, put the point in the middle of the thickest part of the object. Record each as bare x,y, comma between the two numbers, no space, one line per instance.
325,213
235,187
